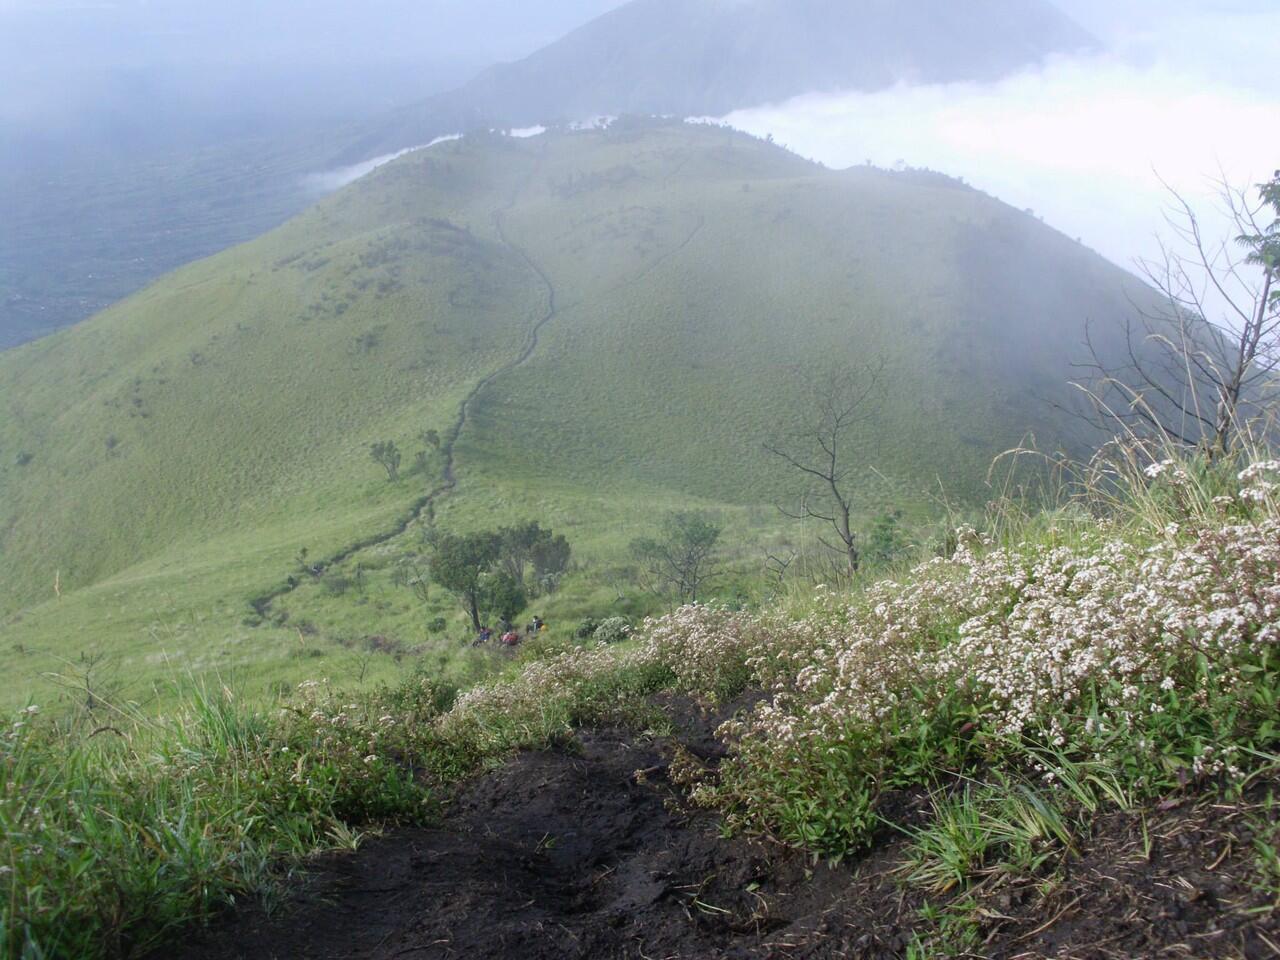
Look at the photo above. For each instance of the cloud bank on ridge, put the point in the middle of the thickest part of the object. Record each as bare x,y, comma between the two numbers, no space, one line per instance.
1088,143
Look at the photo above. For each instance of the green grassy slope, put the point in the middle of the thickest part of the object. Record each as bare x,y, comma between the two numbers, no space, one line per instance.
243,390
165,461
702,281
79,231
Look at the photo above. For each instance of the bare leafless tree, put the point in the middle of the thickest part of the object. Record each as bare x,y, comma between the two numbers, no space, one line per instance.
91,676
618,579
777,566
679,565
821,449
414,572
363,658
1200,369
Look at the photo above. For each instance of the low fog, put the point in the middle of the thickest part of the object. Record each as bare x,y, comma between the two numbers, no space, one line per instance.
1180,97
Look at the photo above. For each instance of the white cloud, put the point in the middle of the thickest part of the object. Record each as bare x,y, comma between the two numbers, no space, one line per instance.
601,122
329,180
1085,142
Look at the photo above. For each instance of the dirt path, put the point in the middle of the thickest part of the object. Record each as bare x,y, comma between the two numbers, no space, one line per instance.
562,854
587,852
448,474
449,479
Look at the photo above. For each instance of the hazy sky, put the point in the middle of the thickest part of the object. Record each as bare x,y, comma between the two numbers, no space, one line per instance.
236,31
1185,88
1180,95
64,61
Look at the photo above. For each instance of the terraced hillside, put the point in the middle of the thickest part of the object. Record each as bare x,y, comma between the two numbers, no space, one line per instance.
598,324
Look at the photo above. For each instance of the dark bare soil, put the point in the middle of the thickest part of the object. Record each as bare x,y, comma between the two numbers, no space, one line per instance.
586,852
1182,881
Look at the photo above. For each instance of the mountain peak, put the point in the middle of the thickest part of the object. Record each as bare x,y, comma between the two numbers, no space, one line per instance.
709,57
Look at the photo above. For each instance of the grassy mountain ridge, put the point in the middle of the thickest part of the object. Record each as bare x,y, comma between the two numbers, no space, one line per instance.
230,383
931,276
168,459
83,228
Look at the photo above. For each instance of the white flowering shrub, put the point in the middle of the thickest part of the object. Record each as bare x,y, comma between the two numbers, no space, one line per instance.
1088,648
546,701
707,649
611,630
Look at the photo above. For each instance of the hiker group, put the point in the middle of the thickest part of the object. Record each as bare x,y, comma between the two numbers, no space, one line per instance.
507,634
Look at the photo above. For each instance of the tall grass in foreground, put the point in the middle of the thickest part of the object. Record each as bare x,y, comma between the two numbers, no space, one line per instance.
118,832
113,834
1120,647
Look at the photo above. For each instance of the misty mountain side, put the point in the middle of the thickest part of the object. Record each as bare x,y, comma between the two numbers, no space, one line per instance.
141,183
90,219
85,226
587,328
634,479
137,137
720,56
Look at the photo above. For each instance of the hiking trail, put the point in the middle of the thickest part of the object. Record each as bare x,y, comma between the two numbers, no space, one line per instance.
448,474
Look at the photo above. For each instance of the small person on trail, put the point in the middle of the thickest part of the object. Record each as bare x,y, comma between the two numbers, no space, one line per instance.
484,636
537,626
510,638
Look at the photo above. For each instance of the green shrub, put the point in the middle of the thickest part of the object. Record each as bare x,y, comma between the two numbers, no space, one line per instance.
612,630
335,584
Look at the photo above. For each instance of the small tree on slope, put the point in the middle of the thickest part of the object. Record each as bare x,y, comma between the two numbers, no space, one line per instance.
387,455
820,449
681,564
462,564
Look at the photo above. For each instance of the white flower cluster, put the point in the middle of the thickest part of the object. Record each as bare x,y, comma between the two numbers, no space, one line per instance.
530,701
704,650
1022,632
707,648
1170,470
1256,483
9,738
612,630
